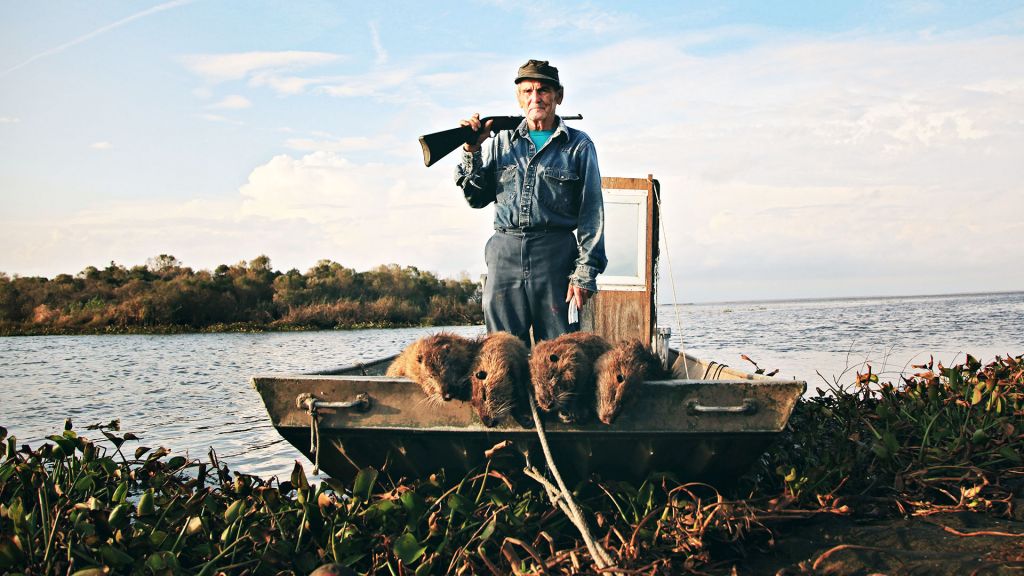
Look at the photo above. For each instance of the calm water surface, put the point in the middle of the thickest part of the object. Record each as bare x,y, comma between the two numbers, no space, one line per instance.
192,392
830,340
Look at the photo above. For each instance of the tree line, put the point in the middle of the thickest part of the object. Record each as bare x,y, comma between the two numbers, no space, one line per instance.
165,296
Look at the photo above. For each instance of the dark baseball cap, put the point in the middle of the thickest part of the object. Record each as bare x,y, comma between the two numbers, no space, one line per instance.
538,70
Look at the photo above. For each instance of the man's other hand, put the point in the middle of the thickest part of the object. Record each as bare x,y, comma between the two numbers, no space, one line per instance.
578,295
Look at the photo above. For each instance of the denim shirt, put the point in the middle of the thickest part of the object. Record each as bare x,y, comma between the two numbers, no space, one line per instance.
555,188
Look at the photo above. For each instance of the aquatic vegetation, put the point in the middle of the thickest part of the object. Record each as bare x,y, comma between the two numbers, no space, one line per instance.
940,439
83,507
943,439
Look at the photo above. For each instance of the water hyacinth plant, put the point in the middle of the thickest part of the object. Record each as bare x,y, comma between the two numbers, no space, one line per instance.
939,439
942,439
73,506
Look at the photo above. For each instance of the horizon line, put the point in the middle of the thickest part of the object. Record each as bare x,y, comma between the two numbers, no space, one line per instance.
837,298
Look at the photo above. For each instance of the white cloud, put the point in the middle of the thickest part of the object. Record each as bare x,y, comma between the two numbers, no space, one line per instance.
220,119
232,102
286,85
372,83
101,145
344,144
223,67
549,15
370,212
378,48
271,69
9,120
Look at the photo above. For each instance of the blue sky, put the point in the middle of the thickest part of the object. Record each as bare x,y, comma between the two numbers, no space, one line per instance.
806,149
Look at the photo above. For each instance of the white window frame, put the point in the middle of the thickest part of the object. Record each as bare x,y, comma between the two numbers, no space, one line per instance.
638,282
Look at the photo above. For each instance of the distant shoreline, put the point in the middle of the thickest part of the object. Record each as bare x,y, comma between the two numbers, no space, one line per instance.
842,298
238,328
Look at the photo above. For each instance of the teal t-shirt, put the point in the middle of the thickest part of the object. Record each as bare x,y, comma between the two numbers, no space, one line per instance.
540,137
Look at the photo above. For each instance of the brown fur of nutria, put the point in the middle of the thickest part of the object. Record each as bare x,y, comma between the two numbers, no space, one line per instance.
498,377
620,372
562,373
439,364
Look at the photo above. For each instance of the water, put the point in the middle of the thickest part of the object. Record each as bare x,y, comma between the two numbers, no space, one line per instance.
185,392
828,341
192,392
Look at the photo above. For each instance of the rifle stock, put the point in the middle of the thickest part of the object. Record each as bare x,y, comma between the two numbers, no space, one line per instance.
440,144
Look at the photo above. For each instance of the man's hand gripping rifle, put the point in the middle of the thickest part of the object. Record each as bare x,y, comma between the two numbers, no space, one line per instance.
440,144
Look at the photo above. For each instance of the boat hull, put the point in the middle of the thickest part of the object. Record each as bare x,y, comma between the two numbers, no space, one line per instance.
707,430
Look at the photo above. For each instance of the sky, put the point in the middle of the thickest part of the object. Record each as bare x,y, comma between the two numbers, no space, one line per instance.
805,149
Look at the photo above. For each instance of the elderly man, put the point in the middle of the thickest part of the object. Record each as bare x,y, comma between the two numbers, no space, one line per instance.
544,181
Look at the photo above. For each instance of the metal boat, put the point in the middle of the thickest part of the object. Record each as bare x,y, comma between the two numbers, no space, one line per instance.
708,422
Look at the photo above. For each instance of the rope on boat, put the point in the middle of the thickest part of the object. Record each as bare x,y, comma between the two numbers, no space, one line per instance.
314,436
671,278
311,404
562,498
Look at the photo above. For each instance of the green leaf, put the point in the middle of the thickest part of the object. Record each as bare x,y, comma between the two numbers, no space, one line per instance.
891,443
85,484
979,436
115,556
460,504
351,560
488,530
233,512
16,512
408,549
1010,454
65,444
414,507
363,486
118,517
158,537
379,510
162,561
145,506
120,493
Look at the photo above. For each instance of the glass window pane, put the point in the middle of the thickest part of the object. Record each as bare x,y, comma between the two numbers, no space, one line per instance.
620,239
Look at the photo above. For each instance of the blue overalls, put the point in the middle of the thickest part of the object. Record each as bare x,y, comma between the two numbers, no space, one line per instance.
540,197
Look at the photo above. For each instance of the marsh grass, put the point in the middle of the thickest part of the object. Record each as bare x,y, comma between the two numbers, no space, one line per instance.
944,439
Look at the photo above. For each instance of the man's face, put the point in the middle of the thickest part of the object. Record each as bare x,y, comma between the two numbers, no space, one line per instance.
538,101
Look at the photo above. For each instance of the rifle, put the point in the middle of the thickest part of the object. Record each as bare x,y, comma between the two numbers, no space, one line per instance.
440,144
